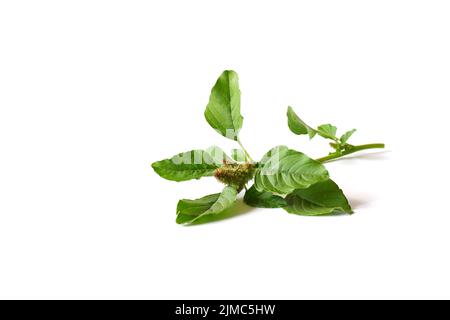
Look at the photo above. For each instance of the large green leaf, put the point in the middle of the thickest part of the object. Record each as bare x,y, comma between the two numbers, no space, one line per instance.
283,170
223,111
189,211
297,125
327,131
264,199
347,136
320,199
186,166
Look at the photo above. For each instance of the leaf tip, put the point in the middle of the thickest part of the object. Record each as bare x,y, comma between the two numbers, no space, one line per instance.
156,167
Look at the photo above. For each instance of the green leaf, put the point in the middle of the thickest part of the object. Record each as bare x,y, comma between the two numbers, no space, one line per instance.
238,155
297,125
218,155
327,131
186,166
283,170
189,211
223,111
322,198
347,136
258,199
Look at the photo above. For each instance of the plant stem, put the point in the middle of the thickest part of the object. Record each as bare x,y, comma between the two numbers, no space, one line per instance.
245,151
351,149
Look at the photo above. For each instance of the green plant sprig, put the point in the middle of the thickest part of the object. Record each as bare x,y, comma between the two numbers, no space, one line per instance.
340,145
283,178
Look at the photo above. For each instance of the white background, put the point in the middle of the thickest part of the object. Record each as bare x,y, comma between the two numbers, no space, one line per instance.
93,92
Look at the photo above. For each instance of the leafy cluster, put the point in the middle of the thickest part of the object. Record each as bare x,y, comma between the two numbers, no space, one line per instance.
283,178
328,131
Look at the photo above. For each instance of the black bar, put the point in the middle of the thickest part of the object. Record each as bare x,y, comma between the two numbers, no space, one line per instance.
217,309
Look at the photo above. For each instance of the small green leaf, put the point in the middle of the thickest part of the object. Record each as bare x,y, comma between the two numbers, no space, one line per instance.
189,211
258,199
347,136
238,155
283,170
186,166
297,125
223,111
322,198
327,131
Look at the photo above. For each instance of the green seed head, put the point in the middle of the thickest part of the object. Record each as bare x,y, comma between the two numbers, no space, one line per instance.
235,174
